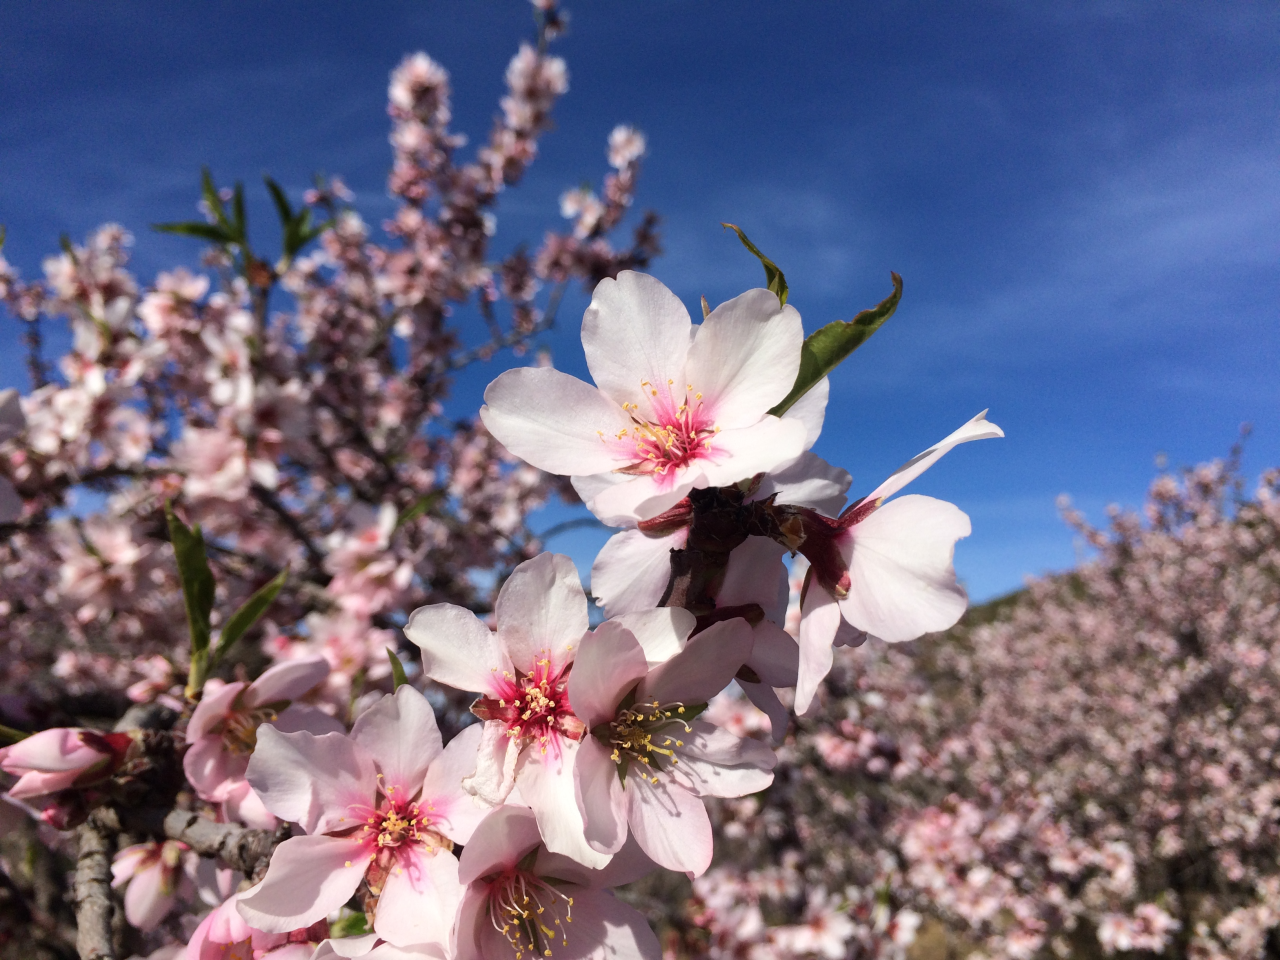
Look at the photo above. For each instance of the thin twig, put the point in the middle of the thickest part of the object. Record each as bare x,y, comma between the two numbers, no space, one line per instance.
240,848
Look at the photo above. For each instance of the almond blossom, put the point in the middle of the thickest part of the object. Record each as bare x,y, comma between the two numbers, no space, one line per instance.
380,810
61,758
530,733
223,732
674,407
649,760
154,872
523,902
224,935
885,570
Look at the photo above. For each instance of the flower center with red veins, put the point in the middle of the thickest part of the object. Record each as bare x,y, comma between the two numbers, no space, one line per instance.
531,915
676,433
534,706
390,830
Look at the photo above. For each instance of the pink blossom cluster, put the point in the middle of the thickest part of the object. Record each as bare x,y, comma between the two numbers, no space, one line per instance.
294,409
270,438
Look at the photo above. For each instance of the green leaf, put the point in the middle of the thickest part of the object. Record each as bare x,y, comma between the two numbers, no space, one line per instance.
250,611
418,509
195,228
774,279
197,592
824,349
397,669
238,221
2,236
12,735
214,202
281,202
350,925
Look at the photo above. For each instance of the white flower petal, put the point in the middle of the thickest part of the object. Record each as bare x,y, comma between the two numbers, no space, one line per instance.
457,649
632,570
311,780
808,481
500,842
669,823
400,733
455,812
742,453
819,621
308,878
546,784
979,428
662,632
745,357
634,330
755,574
554,421
609,663
542,612
902,583
420,898
703,668
601,799
811,410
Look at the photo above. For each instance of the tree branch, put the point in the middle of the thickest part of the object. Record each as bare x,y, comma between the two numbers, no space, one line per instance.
95,907
238,847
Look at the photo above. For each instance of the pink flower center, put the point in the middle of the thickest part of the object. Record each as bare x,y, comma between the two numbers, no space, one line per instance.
240,729
534,706
389,831
532,915
675,434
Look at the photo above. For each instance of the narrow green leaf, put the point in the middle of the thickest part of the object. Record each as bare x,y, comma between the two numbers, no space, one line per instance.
12,735
211,198
2,236
194,228
65,242
240,225
397,669
418,509
250,611
824,349
281,202
774,279
197,591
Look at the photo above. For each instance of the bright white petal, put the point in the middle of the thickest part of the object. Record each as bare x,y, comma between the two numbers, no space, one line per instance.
454,811
146,901
703,668
609,663
634,330
546,784
819,620
902,583
310,780
669,823
976,429
808,481
308,878
662,632
400,733
542,612
631,571
645,496
420,899
590,487
601,800
742,453
457,649
811,410
552,420
745,357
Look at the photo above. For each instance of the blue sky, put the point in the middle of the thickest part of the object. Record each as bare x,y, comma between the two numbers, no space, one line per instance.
1083,198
